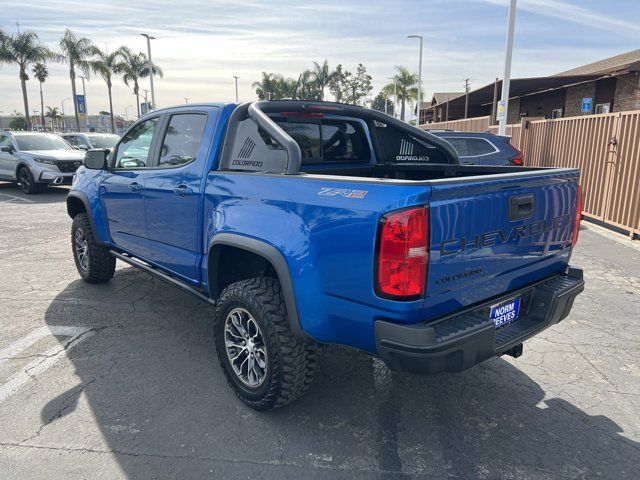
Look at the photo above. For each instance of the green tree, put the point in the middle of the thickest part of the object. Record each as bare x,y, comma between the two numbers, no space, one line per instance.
134,67
351,88
23,49
323,76
382,103
274,86
41,73
107,65
18,122
307,87
406,87
76,51
53,114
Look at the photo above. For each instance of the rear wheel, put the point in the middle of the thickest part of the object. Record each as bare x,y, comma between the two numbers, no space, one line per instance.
94,262
27,182
265,363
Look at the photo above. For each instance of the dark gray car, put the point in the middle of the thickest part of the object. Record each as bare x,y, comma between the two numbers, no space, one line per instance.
485,148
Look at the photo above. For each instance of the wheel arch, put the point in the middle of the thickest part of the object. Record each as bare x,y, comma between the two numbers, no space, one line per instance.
78,203
257,256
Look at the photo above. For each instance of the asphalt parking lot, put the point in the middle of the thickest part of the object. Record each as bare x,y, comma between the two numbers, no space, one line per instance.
121,381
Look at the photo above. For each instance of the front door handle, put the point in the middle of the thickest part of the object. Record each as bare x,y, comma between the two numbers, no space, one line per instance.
181,190
135,187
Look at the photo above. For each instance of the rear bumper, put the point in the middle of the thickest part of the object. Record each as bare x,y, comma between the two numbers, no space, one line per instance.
461,340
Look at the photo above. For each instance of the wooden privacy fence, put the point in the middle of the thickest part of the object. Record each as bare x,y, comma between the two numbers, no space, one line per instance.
606,149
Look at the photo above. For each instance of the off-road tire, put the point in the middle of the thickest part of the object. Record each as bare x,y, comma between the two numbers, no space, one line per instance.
27,183
291,360
101,265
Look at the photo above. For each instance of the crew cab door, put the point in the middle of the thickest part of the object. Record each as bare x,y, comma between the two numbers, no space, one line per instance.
172,191
122,188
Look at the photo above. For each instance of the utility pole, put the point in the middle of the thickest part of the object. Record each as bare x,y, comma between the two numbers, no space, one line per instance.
466,97
236,77
506,78
153,95
419,78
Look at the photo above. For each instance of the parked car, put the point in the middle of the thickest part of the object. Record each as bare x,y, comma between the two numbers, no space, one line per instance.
89,140
310,222
35,160
482,148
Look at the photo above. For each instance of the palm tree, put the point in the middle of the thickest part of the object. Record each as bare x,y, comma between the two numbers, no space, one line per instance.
76,51
107,65
307,87
41,73
135,66
53,114
23,49
406,87
265,88
323,76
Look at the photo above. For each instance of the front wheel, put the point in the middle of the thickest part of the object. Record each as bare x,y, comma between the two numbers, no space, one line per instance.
265,363
27,182
94,262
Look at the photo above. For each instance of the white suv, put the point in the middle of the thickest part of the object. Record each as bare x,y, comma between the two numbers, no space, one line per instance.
35,160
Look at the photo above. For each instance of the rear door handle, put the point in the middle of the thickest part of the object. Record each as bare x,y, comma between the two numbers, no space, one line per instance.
182,190
135,187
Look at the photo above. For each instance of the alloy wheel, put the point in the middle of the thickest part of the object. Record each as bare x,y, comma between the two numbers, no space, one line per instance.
82,249
245,347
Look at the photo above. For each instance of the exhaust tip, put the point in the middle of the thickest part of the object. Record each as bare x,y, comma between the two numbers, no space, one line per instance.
58,180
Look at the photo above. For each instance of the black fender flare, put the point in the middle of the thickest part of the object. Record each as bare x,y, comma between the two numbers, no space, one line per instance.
85,200
272,255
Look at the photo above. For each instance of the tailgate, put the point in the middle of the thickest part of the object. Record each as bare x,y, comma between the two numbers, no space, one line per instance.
490,235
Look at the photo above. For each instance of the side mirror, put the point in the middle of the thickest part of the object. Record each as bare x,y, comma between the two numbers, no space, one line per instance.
7,148
83,147
97,159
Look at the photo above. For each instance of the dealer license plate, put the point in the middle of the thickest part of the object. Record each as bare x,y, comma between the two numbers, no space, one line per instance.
504,313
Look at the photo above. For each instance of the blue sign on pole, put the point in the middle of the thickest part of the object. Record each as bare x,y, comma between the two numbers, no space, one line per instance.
82,105
586,105
143,109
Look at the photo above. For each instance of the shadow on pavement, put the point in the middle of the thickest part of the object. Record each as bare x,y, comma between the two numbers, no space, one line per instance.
151,377
10,192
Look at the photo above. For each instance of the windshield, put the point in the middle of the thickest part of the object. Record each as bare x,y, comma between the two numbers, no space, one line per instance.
104,141
41,142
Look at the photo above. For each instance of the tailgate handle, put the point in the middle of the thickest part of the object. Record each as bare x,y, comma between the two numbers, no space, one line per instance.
520,207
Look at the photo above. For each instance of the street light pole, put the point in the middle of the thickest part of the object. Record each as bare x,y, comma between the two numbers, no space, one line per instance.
506,78
419,77
153,94
236,77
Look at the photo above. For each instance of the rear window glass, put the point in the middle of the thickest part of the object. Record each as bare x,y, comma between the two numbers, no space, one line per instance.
329,141
470,147
479,146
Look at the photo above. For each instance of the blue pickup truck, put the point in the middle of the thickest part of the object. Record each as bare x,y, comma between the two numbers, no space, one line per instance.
309,223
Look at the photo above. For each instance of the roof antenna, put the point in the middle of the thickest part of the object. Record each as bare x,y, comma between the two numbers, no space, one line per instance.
295,90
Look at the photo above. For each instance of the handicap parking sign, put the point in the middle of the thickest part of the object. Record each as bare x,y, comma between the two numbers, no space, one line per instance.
586,105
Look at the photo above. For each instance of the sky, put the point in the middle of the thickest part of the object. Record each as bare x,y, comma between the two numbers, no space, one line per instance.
201,45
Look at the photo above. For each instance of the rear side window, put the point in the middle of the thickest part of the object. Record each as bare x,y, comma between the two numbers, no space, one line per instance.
470,147
461,145
329,141
480,146
182,139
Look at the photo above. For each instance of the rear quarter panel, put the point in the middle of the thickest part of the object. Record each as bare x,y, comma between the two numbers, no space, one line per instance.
328,242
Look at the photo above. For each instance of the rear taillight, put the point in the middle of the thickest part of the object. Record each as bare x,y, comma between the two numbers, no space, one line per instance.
403,253
578,217
518,160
